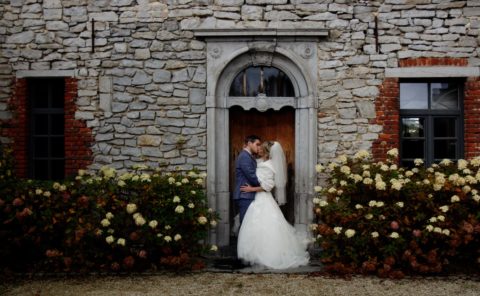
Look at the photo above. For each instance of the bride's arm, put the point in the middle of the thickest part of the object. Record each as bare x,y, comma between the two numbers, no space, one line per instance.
248,188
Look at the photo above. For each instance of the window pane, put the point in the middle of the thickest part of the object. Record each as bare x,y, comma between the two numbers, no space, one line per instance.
274,83
57,93
445,149
277,83
58,124
58,171
40,124
236,89
40,169
40,147
58,147
444,96
413,149
444,127
413,96
413,127
38,93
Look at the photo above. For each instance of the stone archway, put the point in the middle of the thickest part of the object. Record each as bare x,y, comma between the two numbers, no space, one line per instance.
228,54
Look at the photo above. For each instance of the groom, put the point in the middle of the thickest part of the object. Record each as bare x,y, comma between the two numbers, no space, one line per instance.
245,174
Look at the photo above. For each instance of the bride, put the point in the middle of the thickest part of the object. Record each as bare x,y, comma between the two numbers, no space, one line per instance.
265,237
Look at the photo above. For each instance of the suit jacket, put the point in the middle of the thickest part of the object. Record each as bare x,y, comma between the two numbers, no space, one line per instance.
245,173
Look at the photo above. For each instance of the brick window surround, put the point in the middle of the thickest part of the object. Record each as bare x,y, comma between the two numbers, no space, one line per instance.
387,106
78,137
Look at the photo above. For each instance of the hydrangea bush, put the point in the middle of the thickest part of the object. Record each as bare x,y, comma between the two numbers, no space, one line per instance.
376,217
106,221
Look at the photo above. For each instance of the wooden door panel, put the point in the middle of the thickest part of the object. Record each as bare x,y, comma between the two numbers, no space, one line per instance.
272,126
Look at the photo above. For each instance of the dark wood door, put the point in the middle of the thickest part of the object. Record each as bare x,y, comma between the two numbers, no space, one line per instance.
270,125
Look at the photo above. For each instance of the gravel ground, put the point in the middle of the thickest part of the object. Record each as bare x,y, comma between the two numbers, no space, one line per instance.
242,284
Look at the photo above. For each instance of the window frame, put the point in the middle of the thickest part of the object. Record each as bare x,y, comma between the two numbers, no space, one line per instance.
50,111
429,116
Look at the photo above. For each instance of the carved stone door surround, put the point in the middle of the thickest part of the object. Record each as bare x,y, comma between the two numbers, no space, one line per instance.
229,51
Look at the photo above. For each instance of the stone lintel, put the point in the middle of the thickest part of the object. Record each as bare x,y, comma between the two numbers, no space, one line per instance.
45,73
432,72
259,33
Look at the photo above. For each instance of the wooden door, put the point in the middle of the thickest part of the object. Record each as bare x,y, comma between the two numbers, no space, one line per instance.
270,125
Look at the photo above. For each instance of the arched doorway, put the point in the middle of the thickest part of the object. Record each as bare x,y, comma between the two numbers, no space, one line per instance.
269,125
225,62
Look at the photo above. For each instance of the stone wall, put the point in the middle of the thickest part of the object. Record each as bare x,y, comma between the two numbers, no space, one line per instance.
142,90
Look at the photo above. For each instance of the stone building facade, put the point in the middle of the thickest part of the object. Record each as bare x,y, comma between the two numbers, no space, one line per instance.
146,81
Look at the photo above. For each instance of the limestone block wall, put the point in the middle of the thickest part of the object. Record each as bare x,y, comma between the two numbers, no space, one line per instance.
141,88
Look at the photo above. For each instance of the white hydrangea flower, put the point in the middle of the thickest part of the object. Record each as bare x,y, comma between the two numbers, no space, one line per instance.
121,183
131,208
454,198
179,209
367,181
400,204
444,209
191,205
202,220
349,233
153,224
318,188
343,183
110,239
462,164
109,215
345,170
171,180
445,162
358,206
429,228
105,223
140,221
323,203
381,185
446,232
372,203
441,218
433,220
319,168
342,158
177,237
213,223
167,238
374,234
337,229
316,200
121,241
362,154
368,216
394,235
393,152
213,248
418,161
476,198
437,230
176,199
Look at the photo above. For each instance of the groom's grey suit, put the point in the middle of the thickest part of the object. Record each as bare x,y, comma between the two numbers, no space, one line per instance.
245,174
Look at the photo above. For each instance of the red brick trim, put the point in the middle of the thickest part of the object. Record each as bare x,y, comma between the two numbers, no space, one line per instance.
78,137
429,62
471,105
387,107
16,129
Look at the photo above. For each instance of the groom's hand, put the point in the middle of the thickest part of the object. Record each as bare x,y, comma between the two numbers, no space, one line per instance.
247,188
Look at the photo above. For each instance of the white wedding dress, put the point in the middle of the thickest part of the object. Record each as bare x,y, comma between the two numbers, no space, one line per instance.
265,237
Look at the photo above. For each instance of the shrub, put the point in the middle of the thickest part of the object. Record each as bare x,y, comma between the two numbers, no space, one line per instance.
375,217
134,221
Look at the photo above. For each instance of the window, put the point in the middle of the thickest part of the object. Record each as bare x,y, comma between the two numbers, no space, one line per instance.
261,80
46,153
431,121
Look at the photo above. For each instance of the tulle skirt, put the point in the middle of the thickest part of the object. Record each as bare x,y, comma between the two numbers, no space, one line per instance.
267,239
